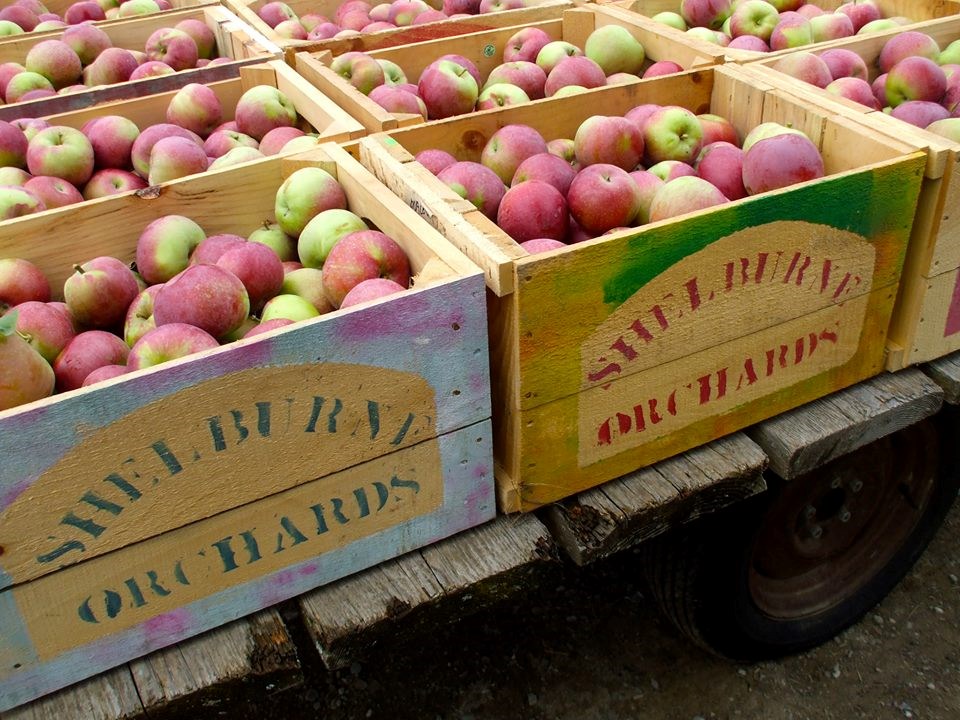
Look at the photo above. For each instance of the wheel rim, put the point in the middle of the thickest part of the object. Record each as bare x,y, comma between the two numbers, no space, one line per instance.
831,531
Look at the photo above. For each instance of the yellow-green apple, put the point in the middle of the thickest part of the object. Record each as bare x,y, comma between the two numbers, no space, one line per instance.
548,168
658,69
14,176
615,49
87,41
288,307
174,47
611,139
525,44
273,236
526,75
501,95
24,375
8,28
784,6
684,195
647,185
304,194
380,12
275,140
263,327
716,127
371,289
396,100
914,78
16,201
403,12
149,69
765,130
949,128
359,69
860,12
235,156
565,149
780,160
291,30
84,353
553,52
259,269
263,108
112,65
668,170
111,181
831,26
671,132
63,152
447,88
474,182
806,66
568,90
99,292
671,19
843,62
577,70
209,250
112,138
854,89
142,147
202,35
705,13
753,17
7,71
539,245
509,146
393,74
360,256
435,159
13,146
24,82
53,192
45,327
275,12
950,55
195,107
533,209
139,317
206,296
906,44
603,196
175,157
721,164
323,231
168,342
791,32
105,372
56,61
920,112
136,8
20,282
308,284
220,142
165,246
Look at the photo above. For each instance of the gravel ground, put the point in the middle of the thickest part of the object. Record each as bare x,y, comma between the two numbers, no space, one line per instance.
591,645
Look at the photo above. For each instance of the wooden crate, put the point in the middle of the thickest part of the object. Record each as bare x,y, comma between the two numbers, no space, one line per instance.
247,10
60,7
147,509
926,319
234,40
485,49
611,354
917,10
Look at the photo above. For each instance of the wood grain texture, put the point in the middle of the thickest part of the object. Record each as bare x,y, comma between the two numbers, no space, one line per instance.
802,439
109,696
945,371
445,580
643,504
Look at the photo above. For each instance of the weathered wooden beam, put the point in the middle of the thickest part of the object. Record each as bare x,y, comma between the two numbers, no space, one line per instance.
805,438
460,575
648,502
109,696
945,371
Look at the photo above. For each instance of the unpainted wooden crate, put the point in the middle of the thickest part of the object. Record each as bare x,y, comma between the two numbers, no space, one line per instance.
614,353
235,40
926,318
60,7
485,49
915,10
144,510
534,10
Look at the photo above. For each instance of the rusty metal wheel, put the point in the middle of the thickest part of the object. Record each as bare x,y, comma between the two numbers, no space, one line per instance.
813,555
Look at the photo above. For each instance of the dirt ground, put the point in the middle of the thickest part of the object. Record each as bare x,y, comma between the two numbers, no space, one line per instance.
592,646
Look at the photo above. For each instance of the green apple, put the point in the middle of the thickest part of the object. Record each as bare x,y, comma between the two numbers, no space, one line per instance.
323,232
614,49
288,307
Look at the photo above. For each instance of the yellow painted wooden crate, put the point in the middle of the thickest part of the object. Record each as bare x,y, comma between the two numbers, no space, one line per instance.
247,10
926,319
235,40
485,49
916,10
611,354
142,510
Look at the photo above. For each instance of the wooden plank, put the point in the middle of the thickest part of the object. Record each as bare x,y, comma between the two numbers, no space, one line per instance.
449,579
945,371
802,439
636,507
110,696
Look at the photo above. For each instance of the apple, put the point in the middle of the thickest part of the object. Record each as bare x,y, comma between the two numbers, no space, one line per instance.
806,66
397,100
668,170
25,376
611,139
84,11
671,132
307,283
136,8
860,12
304,194
220,142
657,69
670,19
175,157
142,148
99,292
258,267
477,183
721,164
323,231
501,95
62,152
435,159
684,195
56,61
195,107
16,201
647,185
288,307
791,32
113,65
149,69
53,192
173,47
84,353
539,245
165,246
13,176
203,36
168,342
206,296
553,52
603,196
13,146
275,140
508,147
112,138
831,26
24,18
447,88
393,74
111,181
908,43
22,83
21,281
533,209
780,160
46,328
843,62
359,256
275,12
579,71
525,44
548,168
756,18
371,289
139,317
87,41
615,49
263,108
272,235
748,42
526,75
854,89
716,127
921,113
949,128
359,69
104,372
705,13
914,78
264,327
235,156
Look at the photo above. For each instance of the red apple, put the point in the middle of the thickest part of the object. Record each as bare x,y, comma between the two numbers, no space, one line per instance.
371,289
533,209
603,196
259,269
86,352
99,292
206,296
781,160
474,182
47,328
360,256
24,375
169,342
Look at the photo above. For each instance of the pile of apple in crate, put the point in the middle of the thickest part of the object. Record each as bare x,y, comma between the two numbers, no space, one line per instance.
264,330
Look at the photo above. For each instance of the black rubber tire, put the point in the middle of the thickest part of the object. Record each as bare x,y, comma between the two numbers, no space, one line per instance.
705,577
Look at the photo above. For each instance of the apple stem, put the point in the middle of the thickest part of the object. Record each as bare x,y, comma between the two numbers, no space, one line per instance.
78,269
